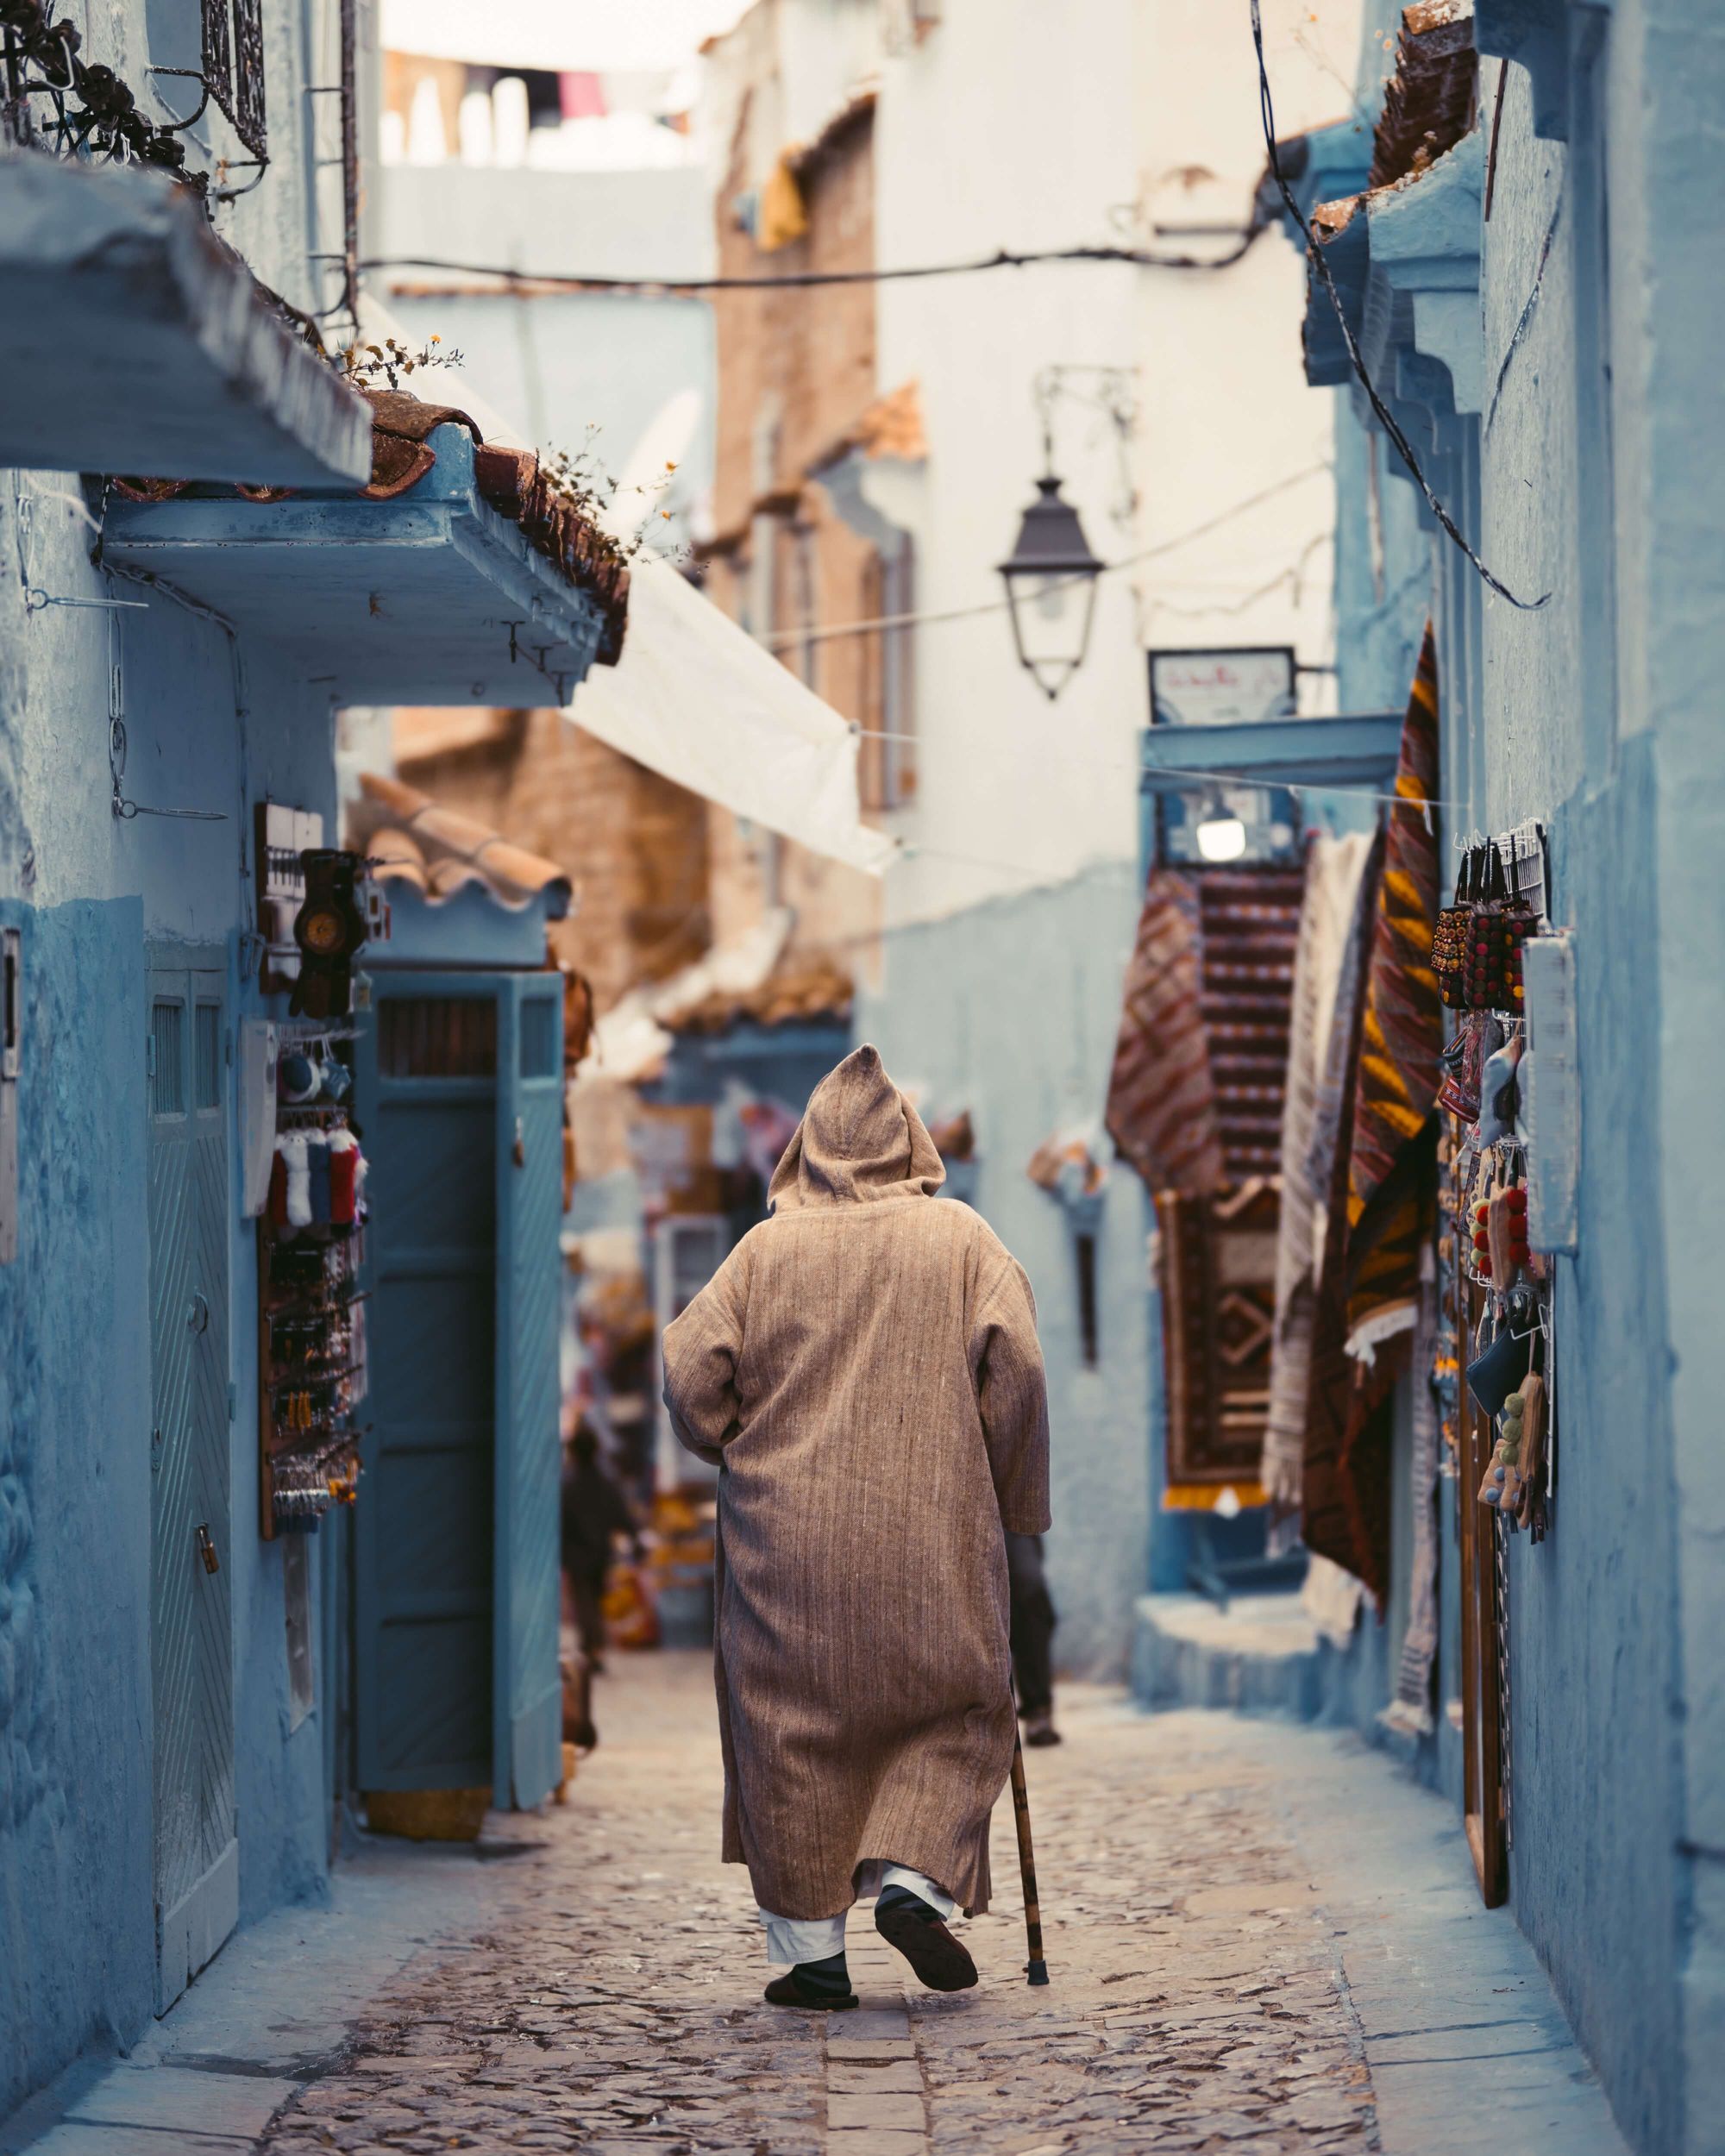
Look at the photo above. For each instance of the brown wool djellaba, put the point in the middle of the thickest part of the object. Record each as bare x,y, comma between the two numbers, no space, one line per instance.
864,1368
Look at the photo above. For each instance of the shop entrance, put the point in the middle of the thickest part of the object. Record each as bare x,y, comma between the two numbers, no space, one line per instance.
459,1098
191,1658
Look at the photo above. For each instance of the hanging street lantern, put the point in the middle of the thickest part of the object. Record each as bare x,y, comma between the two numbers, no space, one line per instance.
1051,580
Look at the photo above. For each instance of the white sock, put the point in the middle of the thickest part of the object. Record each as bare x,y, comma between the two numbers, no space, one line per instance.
296,1153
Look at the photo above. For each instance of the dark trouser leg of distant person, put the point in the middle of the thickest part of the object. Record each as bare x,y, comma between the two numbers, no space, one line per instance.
1033,1638
586,1590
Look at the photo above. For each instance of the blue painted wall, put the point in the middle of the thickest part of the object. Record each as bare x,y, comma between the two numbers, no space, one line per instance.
93,893
75,1908
1595,480
216,724
1011,1009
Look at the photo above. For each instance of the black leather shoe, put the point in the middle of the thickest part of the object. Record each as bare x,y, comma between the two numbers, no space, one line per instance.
905,1920
820,1986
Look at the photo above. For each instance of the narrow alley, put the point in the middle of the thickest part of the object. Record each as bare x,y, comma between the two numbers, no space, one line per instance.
876,843
1261,1940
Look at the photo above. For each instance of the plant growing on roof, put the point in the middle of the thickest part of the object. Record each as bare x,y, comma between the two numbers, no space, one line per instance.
581,481
366,365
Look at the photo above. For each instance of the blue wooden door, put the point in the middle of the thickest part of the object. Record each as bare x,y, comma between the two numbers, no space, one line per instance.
197,1869
458,1096
527,1690
425,1097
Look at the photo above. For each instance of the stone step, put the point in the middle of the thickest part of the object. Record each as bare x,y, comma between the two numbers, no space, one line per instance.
1263,1655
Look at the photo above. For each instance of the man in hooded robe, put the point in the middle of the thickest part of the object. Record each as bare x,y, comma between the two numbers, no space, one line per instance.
864,1370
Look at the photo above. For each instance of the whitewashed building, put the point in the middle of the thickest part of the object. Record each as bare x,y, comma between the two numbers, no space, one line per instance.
1180,433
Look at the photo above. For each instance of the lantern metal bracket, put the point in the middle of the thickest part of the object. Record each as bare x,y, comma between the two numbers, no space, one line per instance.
1111,391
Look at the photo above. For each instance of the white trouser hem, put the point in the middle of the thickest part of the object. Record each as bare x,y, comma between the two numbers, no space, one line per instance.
796,1939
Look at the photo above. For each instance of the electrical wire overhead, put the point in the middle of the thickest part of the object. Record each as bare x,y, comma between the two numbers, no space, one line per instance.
823,632
1386,418
1004,258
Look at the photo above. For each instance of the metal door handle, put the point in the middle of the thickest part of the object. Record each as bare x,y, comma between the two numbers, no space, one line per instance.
206,1549
198,1316
518,1152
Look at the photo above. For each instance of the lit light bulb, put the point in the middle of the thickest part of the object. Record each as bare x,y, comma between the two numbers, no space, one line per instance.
1221,838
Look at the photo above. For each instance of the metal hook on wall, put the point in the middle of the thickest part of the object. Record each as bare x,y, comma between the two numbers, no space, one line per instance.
125,810
36,596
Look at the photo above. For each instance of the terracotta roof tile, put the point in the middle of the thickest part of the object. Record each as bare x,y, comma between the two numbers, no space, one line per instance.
438,849
892,426
1428,103
797,991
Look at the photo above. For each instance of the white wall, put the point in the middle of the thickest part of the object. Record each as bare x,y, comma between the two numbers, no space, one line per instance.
1012,125
1017,126
1227,415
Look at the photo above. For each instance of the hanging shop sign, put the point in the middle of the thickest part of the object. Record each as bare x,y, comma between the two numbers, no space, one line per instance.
1210,821
284,834
1221,687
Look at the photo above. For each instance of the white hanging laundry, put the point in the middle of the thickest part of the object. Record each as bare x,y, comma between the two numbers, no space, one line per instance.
474,129
428,140
511,120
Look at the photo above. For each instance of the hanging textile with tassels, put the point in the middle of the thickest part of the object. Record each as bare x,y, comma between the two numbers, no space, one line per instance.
1382,1192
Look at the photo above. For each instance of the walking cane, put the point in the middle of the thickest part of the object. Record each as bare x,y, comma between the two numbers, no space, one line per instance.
1037,1968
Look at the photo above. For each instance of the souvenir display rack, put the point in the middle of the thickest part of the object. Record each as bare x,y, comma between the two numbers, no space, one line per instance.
1494,1373
312,1317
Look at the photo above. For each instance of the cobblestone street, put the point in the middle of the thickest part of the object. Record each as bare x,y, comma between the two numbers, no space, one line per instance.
614,2003
1260,1939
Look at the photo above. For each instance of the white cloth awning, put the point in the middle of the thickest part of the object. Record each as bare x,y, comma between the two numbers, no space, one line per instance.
695,698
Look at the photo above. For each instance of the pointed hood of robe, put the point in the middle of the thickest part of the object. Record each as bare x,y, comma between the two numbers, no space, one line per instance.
860,1139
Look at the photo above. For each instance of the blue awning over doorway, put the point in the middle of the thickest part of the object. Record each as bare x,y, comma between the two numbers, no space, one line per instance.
432,597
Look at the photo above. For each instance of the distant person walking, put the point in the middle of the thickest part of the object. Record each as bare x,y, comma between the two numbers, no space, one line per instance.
864,1370
593,1510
